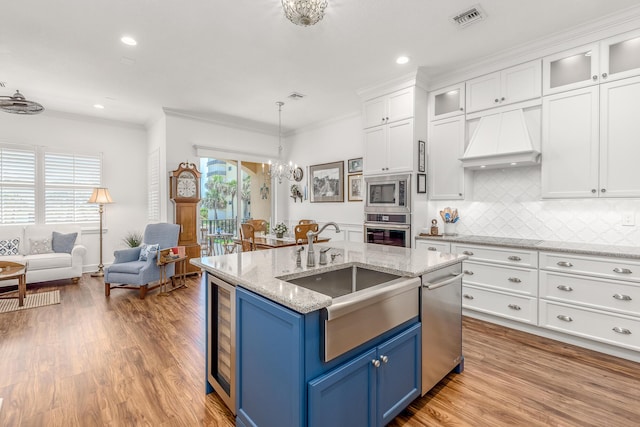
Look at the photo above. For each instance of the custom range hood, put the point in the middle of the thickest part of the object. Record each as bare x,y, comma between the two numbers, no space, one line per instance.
501,140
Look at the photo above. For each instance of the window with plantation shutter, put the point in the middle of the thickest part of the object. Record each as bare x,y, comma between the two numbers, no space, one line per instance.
17,186
154,185
69,180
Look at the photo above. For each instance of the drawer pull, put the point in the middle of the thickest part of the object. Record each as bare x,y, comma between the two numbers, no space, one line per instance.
622,297
566,288
623,331
622,270
467,296
514,307
514,280
514,258
467,253
431,248
564,264
564,318
469,272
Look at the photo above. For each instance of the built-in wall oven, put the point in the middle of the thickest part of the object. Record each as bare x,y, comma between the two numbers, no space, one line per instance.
387,210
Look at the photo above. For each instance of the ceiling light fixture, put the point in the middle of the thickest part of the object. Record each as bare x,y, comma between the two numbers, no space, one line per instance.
280,170
130,41
402,60
304,12
17,104
98,106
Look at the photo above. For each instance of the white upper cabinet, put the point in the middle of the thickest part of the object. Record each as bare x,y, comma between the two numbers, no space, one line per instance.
446,146
508,86
389,148
590,141
610,59
389,108
447,102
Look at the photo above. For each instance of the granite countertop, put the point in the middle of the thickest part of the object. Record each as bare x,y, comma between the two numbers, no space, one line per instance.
259,271
631,252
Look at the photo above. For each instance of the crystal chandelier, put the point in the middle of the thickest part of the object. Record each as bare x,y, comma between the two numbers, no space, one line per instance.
280,170
18,104
304,12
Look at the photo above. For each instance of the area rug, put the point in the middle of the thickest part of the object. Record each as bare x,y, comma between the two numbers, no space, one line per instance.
34,300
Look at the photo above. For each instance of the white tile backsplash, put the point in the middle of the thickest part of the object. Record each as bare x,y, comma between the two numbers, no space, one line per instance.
506,203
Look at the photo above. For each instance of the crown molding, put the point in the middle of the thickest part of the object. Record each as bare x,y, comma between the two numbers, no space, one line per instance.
224,120
324,123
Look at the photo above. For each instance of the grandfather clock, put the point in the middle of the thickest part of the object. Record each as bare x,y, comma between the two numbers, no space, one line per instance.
184,190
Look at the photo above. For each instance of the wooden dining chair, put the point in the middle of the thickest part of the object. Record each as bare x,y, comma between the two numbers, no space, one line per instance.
259,225
306,221
247,237
301,231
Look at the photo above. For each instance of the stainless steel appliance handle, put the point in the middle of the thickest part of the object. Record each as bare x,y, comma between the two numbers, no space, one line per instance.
387,225
444,282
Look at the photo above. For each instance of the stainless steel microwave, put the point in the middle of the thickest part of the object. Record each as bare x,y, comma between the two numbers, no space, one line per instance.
390,193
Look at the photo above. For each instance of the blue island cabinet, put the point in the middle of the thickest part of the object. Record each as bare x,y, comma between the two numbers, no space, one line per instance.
372,389
282,381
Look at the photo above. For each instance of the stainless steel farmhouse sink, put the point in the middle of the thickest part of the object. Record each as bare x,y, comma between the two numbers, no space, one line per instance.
366,303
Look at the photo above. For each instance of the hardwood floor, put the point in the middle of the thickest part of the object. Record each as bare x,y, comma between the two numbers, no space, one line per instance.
122,361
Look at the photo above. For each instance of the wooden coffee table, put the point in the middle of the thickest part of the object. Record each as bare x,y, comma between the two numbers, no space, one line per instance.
15,270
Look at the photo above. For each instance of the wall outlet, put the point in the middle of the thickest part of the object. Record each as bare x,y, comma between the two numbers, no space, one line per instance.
629,218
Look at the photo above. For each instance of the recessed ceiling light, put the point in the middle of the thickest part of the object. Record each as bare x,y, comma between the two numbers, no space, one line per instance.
130,41
483,166
402,60
513,163
98,106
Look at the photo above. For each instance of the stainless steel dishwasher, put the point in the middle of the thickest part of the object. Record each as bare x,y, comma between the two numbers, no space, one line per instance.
441,316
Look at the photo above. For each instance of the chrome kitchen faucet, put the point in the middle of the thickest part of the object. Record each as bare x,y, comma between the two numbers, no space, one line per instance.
311,260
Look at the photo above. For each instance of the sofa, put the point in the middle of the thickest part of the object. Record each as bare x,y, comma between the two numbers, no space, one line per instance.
36,245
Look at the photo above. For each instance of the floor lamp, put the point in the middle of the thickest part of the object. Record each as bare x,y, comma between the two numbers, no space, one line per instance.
101,196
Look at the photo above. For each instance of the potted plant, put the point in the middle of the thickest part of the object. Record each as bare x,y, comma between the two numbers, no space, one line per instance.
280,229
133,239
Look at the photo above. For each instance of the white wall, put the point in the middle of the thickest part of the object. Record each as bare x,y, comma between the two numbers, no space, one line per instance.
123,147
338,140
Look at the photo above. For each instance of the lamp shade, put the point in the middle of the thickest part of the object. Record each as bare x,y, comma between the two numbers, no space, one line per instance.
100,195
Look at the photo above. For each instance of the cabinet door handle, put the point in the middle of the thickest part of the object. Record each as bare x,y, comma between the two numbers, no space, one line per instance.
595,77
565,288
514,280
620,330
469,272
467,296
621,297
514,307
376,363
431,248
622,270
461,109
384,358
593,190
603,190
564,318
605,75
514,258
467,253
564,264
496,100
502,99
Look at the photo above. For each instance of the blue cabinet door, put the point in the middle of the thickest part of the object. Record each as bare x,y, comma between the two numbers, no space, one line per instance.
270,380
344,397
399,374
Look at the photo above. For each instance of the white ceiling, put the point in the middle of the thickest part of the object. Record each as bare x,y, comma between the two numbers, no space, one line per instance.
236,58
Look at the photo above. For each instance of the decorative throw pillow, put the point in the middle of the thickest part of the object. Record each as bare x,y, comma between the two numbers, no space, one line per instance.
41,246
10,247
148,251
63,243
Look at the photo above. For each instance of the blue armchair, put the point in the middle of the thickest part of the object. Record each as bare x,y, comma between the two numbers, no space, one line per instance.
131,273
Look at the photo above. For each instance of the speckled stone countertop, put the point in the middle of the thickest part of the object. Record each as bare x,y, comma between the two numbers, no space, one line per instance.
631,252
263,271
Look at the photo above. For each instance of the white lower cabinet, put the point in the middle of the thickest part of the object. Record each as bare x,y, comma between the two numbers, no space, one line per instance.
500,281
431,245
596,298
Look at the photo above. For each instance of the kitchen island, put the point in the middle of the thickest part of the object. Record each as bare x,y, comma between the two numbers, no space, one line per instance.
276,370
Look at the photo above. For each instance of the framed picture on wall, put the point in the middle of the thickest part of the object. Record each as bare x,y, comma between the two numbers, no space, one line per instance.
355,186
326,182
422,183
354,165
421,154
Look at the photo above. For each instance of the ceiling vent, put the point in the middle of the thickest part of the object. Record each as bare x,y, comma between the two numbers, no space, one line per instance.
295,96
469,16
3,84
